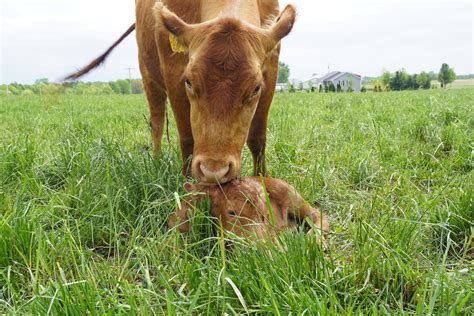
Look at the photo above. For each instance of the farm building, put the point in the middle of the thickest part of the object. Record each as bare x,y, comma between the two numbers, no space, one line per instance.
309,83
343,80
340,79
280,86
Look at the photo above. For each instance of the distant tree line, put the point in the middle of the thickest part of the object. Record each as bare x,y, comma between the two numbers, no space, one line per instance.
401,80
465,77
44,87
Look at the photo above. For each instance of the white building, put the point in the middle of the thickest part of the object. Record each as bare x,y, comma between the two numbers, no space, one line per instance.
312,82
281,87
342,80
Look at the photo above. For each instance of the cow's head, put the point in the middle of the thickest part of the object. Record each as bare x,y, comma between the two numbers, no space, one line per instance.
224,80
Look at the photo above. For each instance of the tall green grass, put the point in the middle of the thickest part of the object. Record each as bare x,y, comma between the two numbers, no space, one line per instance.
83,210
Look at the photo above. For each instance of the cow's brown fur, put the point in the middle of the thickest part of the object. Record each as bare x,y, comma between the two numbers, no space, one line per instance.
242,208
230,65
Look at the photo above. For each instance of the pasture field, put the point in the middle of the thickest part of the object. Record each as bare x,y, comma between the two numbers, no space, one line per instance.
457,84
83,210
463,83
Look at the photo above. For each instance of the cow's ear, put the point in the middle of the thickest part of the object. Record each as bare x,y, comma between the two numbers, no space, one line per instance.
173,24
284,23
282,27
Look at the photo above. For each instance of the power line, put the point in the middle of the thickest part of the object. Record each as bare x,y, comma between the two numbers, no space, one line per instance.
130,78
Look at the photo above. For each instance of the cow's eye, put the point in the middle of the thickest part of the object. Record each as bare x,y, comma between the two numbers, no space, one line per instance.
257,90
231,212
188,84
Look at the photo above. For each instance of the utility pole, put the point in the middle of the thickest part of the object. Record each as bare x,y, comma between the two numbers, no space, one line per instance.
130,78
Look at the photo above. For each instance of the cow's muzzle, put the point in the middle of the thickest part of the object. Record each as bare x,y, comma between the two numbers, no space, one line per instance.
211,170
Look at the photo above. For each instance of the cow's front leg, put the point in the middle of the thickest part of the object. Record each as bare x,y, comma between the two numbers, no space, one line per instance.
257,137
257,142
156,96
180,105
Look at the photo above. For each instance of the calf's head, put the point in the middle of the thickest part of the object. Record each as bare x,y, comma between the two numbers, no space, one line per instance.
239,205
224,80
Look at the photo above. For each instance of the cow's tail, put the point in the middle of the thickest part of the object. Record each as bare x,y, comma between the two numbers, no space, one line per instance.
99,60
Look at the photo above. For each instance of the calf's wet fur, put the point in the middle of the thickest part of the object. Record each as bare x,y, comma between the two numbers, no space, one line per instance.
251,207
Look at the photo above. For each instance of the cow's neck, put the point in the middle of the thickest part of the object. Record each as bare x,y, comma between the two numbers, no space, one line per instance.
246,10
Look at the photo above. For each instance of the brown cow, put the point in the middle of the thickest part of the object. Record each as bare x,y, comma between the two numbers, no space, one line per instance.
242,207
220,77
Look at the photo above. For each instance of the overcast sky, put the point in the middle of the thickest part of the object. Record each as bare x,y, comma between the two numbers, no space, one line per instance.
50,38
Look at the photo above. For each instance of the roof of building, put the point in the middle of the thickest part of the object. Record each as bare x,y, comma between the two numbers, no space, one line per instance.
336,74
329,76
343,73
312,79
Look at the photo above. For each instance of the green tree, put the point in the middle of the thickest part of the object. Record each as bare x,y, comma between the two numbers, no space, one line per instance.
283,72
14,90
52,88
386,79
424,80
413,82
115,87
106,89
124,86
350,86
331,87
400,81
38,87
291,88
27,92
446,75
42,80
433,75
137,86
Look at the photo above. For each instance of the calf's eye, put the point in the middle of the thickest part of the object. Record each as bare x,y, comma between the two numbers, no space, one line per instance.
231,212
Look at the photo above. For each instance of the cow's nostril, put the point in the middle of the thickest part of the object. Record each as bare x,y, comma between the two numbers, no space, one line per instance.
199,170
229,169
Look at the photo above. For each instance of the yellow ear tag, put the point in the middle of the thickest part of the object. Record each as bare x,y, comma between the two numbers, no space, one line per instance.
176,47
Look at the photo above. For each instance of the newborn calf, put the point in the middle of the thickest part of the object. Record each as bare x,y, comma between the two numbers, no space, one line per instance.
242,207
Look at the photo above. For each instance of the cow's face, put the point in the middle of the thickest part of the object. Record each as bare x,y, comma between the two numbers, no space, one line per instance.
240,207
224,80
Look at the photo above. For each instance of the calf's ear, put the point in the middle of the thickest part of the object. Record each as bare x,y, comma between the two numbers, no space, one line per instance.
199,187
281,28
189,187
